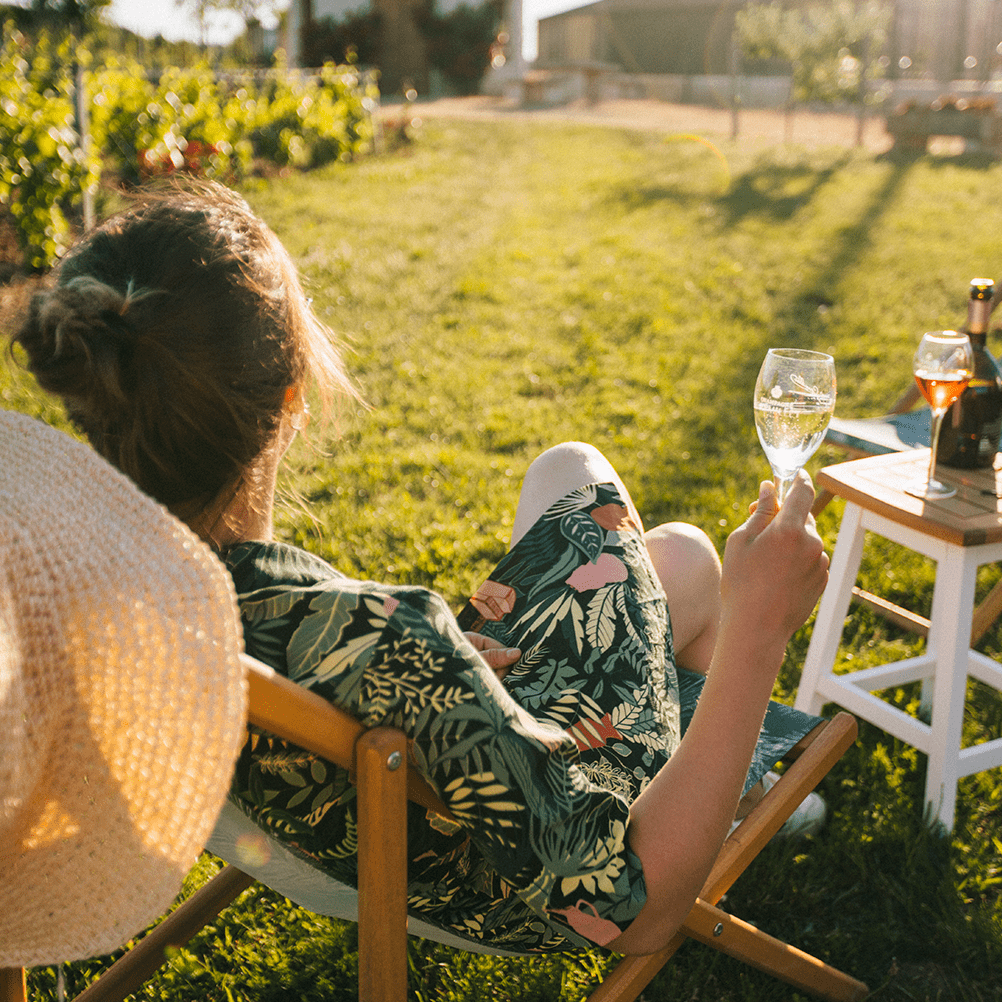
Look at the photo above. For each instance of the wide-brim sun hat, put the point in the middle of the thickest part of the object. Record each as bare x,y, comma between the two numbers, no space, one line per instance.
122,699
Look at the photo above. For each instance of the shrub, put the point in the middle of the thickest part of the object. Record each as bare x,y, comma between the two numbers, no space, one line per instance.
306,121
43,171
193,121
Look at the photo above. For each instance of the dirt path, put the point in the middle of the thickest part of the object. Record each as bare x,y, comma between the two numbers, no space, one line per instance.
757,128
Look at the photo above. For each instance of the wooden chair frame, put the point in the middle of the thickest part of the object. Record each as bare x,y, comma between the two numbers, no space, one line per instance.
377,759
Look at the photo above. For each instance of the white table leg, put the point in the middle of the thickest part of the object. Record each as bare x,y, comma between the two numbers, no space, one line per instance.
830,620
952,608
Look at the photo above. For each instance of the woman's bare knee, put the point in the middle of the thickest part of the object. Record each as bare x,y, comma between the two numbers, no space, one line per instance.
555,473
688,567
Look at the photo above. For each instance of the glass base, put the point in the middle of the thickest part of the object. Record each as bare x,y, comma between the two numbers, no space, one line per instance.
931,491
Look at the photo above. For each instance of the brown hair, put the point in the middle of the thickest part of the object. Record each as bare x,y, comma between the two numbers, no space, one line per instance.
173,334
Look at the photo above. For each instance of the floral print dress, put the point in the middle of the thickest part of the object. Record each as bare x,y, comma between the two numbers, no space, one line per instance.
539,771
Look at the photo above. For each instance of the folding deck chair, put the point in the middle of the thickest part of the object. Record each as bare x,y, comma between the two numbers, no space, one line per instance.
377,760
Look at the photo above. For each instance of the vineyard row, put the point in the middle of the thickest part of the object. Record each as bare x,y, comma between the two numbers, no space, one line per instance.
65,123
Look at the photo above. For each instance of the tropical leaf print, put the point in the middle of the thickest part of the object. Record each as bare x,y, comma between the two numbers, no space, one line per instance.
345,663
408,677
584,532
555,571
592,734
572,704
550,676
271,605
330,644
575,858
480,796
602,864
549,801
600,619
564,613
583,497
284,759
627,715
602,773
631,630
652,740
320,632
347,847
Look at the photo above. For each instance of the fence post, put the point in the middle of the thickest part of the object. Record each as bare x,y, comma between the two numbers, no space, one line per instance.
83,136
735,83
861,113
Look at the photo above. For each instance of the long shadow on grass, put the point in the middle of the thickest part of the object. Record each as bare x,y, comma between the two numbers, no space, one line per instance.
795,321
852,241
776,191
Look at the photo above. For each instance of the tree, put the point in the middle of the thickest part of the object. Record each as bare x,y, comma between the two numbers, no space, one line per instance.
459,43
354,36
79,16
831,47
248,9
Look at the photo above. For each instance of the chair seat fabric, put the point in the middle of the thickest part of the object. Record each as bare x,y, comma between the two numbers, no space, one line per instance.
239,840
877,436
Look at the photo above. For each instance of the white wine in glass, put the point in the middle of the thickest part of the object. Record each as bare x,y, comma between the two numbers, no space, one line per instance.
794,401
943,366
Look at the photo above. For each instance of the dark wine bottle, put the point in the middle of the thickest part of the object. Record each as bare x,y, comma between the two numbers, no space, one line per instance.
970,433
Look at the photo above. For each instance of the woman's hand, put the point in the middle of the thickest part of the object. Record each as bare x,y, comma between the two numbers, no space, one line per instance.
775,567
498,657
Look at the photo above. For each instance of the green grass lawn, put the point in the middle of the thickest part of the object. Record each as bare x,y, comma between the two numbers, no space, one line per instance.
500,287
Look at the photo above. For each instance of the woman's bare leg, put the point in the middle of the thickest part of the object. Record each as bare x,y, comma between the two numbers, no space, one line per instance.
683,556
557,472
689,568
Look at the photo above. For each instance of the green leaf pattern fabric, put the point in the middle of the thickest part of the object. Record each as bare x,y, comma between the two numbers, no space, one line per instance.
539,772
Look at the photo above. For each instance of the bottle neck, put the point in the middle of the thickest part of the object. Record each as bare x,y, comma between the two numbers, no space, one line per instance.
979,312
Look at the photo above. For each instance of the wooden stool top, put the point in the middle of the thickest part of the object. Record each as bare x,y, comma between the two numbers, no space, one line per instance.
877,483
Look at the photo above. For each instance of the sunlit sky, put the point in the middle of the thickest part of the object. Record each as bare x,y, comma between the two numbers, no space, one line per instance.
151,17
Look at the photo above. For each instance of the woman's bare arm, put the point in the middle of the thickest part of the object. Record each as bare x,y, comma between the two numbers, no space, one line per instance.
774,570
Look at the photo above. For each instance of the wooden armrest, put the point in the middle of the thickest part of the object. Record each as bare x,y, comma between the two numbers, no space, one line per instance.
814,755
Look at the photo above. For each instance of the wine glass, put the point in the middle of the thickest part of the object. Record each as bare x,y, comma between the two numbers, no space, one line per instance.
794,401
943,366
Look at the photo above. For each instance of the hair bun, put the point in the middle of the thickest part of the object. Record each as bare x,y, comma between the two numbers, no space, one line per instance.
77,337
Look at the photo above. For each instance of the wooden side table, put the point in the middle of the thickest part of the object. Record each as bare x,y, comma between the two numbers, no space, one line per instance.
960,534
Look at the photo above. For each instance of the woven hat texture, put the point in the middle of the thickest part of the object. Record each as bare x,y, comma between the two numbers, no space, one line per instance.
122,700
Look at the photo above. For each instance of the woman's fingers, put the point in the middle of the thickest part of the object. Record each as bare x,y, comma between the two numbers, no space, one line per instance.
498,657
775,566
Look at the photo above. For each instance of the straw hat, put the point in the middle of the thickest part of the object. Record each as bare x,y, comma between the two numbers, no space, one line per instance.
122,701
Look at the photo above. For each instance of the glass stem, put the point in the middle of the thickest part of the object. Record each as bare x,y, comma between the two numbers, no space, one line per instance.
783,484
937,421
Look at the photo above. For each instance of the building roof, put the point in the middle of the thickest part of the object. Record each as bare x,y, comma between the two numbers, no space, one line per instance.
602,6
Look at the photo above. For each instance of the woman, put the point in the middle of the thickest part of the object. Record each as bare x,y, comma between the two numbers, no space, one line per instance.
180,340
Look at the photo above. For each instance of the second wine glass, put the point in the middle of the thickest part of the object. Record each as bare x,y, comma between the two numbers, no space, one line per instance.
794,401
943,366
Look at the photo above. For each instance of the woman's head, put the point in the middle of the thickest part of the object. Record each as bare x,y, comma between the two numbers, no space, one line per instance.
177,334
